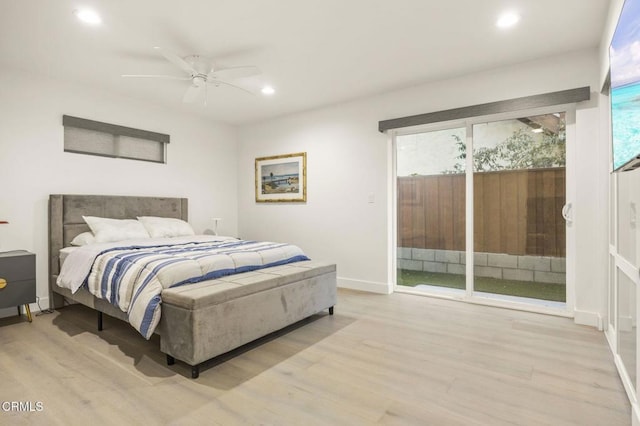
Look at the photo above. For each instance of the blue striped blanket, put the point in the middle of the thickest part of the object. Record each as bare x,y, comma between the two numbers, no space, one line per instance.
133,277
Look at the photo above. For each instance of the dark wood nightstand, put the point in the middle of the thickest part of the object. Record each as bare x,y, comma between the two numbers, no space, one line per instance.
18,270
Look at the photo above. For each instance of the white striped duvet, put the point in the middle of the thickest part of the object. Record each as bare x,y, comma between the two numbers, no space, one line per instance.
132,277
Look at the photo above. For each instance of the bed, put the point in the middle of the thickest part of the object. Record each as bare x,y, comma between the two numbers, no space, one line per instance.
202,320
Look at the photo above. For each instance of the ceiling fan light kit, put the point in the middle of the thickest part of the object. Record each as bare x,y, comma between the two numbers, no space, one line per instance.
202,73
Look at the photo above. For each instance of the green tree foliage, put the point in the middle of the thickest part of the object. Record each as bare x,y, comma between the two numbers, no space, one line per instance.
519,151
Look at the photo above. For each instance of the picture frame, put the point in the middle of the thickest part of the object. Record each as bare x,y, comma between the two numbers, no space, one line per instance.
281,178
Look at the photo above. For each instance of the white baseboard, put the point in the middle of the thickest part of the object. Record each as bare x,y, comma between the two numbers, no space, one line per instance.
592,319
361,285
44,304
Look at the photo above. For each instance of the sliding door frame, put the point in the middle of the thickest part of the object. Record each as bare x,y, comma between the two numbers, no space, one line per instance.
570,194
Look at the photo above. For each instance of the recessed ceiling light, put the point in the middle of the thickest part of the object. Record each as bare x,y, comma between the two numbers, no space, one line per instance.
88,16
507,20
268,90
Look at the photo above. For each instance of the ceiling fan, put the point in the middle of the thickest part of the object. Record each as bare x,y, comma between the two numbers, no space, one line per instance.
202,73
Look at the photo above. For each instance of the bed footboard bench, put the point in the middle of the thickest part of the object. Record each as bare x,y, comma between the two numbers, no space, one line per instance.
201,321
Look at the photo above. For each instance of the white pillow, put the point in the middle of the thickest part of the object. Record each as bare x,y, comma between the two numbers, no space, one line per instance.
160,227
83,239
108,230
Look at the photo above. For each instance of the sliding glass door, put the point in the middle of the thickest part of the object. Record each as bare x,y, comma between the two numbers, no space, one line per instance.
519,183
512,172
431,210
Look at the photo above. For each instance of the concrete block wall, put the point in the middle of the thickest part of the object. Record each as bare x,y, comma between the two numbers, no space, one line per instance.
541,269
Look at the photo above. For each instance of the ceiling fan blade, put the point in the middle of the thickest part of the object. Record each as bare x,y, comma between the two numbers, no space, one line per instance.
177,60
169,77
226,83
233,73
191,94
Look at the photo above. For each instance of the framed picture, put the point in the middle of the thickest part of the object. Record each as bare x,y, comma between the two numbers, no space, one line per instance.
281,178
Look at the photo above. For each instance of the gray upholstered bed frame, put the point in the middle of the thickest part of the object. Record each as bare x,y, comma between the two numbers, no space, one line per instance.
204,320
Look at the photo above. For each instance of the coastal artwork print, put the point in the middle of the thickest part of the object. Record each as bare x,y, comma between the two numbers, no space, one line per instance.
282,178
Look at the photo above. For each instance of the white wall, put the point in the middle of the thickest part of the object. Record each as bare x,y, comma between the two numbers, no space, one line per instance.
348,160
201,160
591,212
346,164
615,7
627,232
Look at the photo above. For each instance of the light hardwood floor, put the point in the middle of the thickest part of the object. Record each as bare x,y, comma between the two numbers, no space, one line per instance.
397,359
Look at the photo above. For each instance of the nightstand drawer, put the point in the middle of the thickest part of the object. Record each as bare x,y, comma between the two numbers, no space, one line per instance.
18,293
17,266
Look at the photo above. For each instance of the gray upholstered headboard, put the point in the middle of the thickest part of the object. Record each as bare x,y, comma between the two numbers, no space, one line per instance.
66,211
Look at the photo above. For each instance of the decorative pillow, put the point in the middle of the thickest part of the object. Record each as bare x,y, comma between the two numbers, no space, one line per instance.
83,239
160,227
107,230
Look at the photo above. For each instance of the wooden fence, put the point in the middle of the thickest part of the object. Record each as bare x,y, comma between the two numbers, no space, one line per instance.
516,212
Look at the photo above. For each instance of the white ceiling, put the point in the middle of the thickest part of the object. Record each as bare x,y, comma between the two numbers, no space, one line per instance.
314,52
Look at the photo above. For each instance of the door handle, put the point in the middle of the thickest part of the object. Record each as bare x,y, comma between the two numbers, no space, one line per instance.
567,213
